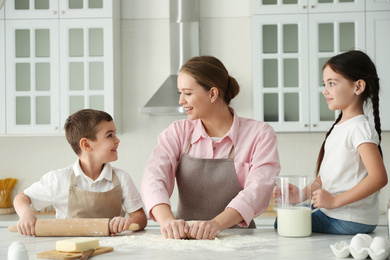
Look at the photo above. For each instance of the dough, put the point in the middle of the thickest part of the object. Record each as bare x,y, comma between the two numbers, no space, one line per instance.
78,244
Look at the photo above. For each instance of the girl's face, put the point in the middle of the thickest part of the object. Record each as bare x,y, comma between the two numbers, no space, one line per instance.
339,92
193,97
106,143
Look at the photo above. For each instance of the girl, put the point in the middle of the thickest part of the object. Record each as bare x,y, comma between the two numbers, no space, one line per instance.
223,164
350,170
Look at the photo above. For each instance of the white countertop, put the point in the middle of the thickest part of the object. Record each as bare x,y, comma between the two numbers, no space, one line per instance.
262,242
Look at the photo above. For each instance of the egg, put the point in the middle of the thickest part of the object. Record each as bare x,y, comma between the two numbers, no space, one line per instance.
360,241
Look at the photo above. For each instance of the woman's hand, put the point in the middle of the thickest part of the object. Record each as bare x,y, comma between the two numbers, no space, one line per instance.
175,229
323,199
204,229
26,224
118,225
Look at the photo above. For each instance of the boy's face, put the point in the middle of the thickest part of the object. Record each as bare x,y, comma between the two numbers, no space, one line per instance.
105,146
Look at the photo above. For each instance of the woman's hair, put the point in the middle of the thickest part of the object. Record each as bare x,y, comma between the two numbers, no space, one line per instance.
84,124
355,65
209,72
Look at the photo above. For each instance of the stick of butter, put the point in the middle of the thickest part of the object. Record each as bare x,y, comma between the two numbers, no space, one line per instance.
78,244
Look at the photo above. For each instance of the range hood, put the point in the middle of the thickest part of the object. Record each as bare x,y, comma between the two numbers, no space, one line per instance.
184,44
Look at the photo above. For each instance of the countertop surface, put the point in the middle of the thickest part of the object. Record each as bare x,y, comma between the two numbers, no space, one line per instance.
260,243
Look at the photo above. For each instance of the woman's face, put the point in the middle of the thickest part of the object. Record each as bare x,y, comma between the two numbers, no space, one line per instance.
193,97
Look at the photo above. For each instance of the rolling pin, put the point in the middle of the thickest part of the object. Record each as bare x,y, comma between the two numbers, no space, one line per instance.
73,227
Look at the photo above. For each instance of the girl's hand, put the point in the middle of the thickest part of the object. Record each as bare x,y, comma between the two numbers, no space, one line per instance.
118,225
323,199
290,192
204,229
26,225
175,228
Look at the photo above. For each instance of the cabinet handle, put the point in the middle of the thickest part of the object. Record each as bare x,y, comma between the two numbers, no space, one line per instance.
314,125
304,6
306,125
54,12
313,6
62,12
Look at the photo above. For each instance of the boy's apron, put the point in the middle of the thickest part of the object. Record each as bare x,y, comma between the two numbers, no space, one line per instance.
206,186
89,204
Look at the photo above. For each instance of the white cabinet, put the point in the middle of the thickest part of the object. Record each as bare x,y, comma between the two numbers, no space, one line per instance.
378,40
58,62
377,5
2,73
46,9
289,52
306,6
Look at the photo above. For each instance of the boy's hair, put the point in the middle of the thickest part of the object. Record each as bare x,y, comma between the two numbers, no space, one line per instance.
355,65
83,124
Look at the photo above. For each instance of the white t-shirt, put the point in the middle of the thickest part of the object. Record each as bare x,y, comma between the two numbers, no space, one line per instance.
342,169
53,188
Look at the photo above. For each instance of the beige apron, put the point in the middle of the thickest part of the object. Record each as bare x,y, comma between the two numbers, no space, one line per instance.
89,204
206,186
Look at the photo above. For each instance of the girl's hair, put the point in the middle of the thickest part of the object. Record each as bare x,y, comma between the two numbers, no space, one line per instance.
84,123
355,65
209,72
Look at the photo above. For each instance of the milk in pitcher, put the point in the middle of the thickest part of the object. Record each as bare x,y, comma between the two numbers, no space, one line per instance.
294,221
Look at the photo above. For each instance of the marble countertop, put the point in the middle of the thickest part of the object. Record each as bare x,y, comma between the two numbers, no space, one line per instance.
263,242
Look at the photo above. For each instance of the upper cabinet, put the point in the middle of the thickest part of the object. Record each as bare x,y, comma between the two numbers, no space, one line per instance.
2,72
57,65
46,9
306,6
289,51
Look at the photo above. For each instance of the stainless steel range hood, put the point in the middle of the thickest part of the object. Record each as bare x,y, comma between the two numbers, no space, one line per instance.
184,44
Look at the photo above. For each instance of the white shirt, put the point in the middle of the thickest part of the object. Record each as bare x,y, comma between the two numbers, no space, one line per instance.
342,169
53,188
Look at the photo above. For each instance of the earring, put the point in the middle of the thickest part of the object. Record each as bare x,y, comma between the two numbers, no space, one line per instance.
357,93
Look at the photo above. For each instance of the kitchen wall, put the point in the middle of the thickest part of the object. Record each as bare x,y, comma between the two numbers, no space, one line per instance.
226,32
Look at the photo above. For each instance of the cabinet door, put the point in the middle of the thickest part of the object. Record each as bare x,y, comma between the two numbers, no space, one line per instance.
306,6
2,77
280,74
86,76
329,35
378,50
377,5
32,77
86,8
30,9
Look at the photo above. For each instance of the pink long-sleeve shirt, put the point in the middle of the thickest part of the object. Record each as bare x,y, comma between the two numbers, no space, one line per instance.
256,162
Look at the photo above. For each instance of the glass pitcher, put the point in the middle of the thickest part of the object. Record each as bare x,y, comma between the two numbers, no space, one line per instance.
293,196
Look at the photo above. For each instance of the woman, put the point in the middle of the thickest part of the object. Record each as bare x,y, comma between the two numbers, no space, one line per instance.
224,165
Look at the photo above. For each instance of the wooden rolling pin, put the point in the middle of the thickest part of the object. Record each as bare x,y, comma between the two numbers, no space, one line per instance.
73,227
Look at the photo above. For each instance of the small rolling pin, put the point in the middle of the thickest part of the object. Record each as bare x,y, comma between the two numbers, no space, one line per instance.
73,227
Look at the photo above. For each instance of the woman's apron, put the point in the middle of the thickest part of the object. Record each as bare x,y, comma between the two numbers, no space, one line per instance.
206,186
89,204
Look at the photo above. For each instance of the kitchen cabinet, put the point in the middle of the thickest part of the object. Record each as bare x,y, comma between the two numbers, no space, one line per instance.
307,6
377,5
50,9
378,40
289,52
60,59
2,73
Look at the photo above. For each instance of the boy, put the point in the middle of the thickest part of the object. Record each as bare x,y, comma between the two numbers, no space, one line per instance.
90,188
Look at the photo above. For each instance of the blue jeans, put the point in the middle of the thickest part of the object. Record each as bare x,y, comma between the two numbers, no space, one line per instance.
321,223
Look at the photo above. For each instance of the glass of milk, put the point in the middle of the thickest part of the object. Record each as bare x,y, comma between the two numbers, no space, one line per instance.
293,196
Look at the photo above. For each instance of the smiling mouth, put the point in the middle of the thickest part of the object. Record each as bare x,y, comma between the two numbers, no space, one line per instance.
188,108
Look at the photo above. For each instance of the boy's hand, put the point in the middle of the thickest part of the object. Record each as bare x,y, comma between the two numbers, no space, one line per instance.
26,224
119,224
204,230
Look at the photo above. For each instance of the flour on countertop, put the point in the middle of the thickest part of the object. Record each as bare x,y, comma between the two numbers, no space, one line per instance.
222,243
